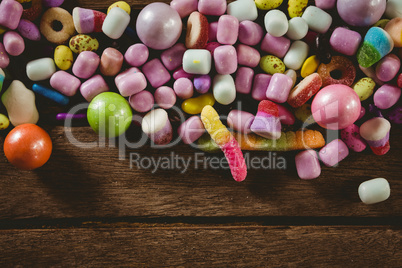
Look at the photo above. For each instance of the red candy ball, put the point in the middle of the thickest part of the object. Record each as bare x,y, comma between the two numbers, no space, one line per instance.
28,147
336,107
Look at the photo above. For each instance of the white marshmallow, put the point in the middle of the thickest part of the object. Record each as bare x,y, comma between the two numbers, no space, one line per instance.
317,19
374,191
224,89
40,69
243,10
276,23
298,28
197,61
115,23
296,55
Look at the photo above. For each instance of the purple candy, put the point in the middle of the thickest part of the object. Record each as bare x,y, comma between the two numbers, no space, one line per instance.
29,30
395,116
325,4
64,116
10,14
266,125
375,111
345,41
250,33
351,136
52,3
388,67
213,28
279,88
260,85
142,102
307,165
386,96
225,58
136,55
13,43
202,83
165,97
277,46
93,87
183,87
240,121
172,58
86,64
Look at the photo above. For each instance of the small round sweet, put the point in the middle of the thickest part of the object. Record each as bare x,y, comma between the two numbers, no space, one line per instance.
136,55
4,122
394,29
388,67
83,42
28,147
386,96
271,64
63,57
268,4
109,114
361,12
165,97
339,71
364,88
13,43
336,107
159,26
121,4
298,28
33,12
184,88
142,102
48,20
202,83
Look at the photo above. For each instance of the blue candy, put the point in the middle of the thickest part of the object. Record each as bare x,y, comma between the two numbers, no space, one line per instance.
51,94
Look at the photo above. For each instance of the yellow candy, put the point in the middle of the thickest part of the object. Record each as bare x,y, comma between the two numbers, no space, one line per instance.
23,1
121,4
296,7
271,64
2,29
267,4
309,66
364,88
83,42
4,122
63,57
195,105
381,23
218,131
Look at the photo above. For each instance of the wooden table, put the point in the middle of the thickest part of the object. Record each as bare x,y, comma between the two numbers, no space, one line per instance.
86,207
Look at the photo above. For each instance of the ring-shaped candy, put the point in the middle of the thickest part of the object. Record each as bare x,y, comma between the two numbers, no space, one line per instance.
344,66
53,15
34,11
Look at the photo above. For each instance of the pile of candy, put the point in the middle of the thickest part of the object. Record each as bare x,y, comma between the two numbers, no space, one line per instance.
306,58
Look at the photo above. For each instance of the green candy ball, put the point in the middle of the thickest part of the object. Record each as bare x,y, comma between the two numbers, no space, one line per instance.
109,114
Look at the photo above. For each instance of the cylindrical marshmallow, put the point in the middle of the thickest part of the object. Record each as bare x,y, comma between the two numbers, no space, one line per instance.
172,58
247,56
224,89
228,30
388,67
40,69
296,55
136,55
142,102
387,96
333,153
86,64
243,10
260,86
13,43
225,58
197,61
345,41
298,28
374,191
157,126
279,88
93,87
276,23
250,33
244,80
183,87
277,46
130,82
115,23
317,19
65,83
156,73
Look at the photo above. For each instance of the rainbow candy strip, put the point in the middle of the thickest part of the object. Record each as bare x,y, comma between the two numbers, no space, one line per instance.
226,142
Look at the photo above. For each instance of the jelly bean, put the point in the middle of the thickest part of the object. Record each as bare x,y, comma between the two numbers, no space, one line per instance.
243,10
202,83
4,122
156,73
224,89
191,130
298,28
268,4
40,69
395,116
86,64
293,75
93,87
303,91
387,96
285,116
20,104
184,7
195,105
317,19
4,59
351,136
377,43
388,67
225,58
197,61
374,191
10,14
63,57
310,65
165,97
325,4
276,23
376,132
364,88
394,29
50,94
303,113
244,80
279,88
271,65
277,46
296,55
228,30
250,33
296,7
247,56
172,58
142,102
115,23
345,41
333,153
29,30
130,82
307,165
240,121
212,7
88,21
266,122
197,31
65,83
371,73
111,62
65,116
13,43
260,85
393,9
183,87
381,23
83,42
180,73
121,4
157,126
109,114
136,55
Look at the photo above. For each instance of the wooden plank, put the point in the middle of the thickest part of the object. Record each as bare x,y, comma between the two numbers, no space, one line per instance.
95,183
211,246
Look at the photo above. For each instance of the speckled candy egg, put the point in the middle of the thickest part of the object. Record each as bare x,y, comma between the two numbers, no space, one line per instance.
267,4
83,42
361,12
63,57
271,64
159,26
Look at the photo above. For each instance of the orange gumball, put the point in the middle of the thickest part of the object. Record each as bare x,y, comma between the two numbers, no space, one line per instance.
28,147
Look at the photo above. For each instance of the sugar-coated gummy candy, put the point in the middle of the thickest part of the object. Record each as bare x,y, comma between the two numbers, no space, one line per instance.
243,10
191,130
197,34
195,105
338,63
374,191
387,96
157,126
266,122
303,91
88,21
307,165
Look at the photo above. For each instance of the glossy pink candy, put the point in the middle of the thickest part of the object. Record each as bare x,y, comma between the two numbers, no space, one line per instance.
388,67
65,83
212,7
165,97
345,41
240,121
277,46
386,96
156,73
172,58
260,85
142,102
250,33
13,43
136,55
191,130
228,30
225,58
86,64
361,12
279,88
183,87
333,153
10,14
93,87
307,165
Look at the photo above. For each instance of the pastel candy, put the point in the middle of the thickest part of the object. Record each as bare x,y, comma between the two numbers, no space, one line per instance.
88,20
296,55
317,19
388,67
351,136
224,89
13,43
225,58
240,121
136,55
202,83
260,85
29,30
325,4
65,83
86,64
279,88
4,59
156,73
111,62
228,30
393,9
180,73
243,10
165,97
244,80
172,58
307,165
386,96
63,57
364,88
394,29
195,105
285,116
191,130
183,87
40,69
277,46
247,56
268,4
184,7
20,104
293,75
377,43
50,94
142,102
212,7
333,153
115,23
157,126
298,28
297,7
376,132
371,73
374,191
271,64
212,31
130,82
10,14
52,3
276,23
197,61
345,41
250,33
83,42
93,87
267,123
